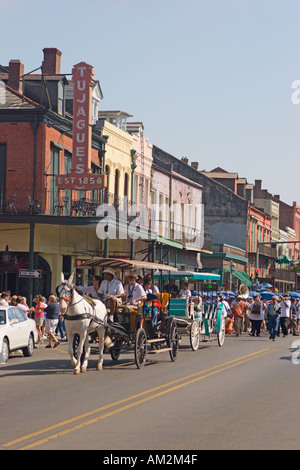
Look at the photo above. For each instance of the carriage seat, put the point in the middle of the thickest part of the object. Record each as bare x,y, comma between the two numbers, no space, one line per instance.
127,314
179,308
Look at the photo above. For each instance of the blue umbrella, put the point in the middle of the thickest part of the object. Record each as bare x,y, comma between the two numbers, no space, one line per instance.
295,295
263,285
267,295
227,292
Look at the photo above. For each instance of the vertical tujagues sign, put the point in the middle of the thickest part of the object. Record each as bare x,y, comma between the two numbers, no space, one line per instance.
80,177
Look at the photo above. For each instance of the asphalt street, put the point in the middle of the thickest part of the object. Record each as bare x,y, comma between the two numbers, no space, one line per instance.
240,396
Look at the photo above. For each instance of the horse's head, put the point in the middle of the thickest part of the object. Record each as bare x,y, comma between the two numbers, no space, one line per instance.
64,292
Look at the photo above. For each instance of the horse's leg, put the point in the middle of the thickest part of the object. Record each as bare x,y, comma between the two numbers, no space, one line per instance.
70,347
79,352
87,353
101,333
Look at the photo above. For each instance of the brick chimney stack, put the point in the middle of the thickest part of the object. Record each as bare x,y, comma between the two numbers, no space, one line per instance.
51,62
258,184
15,71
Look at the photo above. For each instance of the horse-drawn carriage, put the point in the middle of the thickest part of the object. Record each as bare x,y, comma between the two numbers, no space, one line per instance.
197,320
132,328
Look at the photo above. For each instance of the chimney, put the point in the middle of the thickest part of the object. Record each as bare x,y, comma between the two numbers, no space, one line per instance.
185,160
195,165
277,196
257,185
51,62
15,71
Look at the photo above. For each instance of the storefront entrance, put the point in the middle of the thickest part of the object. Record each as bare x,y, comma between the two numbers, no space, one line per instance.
10,279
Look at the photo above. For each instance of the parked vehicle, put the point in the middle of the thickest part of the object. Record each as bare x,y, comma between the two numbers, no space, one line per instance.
16,332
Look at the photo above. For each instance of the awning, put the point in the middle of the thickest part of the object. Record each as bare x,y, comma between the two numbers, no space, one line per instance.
124,263
243,277
188,276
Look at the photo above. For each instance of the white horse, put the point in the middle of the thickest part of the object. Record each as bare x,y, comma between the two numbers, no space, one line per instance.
81,318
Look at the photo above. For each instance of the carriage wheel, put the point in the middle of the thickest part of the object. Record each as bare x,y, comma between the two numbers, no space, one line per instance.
76,340
172,339
194,335
140,350
221,334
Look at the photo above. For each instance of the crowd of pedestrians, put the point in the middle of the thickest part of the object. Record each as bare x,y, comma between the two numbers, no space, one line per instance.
280,315
45,312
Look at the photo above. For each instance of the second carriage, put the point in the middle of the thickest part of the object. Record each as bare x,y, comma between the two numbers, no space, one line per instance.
203,321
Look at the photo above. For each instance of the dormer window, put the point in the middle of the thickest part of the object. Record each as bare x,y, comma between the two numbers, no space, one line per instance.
60,98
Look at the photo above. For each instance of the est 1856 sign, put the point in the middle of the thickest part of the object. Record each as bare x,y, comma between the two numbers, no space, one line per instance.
80,177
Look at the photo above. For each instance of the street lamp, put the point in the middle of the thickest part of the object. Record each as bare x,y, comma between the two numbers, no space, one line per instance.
6,255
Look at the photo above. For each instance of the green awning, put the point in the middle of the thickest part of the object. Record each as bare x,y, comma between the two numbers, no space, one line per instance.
243,277
167,241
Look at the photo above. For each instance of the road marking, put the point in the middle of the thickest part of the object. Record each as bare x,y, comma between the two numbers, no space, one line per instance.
170,387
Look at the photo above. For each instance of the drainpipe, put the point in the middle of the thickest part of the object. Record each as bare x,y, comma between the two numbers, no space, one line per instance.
35,126
133,167
106,240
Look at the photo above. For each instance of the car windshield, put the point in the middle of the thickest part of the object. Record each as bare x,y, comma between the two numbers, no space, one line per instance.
2,317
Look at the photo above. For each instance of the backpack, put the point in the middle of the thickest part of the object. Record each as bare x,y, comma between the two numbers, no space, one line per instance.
256,309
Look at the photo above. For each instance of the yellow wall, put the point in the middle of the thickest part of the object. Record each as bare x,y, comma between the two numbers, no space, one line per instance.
117,156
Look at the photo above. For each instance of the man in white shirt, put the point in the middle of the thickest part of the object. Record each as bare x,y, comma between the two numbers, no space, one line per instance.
4,301
285,314
111,291
135,293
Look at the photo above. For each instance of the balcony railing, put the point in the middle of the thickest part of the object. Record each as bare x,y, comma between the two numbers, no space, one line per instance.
87,204
283,274
266,251
75,204
189,236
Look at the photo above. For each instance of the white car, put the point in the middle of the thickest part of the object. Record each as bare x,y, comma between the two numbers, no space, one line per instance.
17,331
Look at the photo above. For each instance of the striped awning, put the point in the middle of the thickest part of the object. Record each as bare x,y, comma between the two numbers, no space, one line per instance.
119,263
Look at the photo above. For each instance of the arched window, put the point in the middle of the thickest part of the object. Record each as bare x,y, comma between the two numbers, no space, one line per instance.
126,185
107,171
117,178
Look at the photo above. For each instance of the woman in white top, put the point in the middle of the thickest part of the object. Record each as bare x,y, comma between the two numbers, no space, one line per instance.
93,289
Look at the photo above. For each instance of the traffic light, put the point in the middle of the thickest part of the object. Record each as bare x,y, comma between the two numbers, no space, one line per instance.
256,273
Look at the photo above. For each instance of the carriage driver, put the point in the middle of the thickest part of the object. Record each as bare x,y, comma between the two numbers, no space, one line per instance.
111,291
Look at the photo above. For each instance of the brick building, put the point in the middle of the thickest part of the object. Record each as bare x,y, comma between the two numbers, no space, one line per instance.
44,228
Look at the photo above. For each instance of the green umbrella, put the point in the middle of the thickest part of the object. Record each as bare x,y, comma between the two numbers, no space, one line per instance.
283,259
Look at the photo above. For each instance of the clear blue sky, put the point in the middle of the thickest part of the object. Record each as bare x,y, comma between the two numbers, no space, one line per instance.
210,79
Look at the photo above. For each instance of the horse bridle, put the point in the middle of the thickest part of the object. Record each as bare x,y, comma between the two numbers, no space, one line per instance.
79,316
67,299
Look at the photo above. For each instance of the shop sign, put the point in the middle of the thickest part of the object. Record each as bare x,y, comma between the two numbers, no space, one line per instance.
80,177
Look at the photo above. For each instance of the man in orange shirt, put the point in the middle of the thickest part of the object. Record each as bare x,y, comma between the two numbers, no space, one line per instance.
238,309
